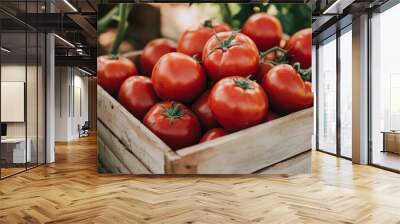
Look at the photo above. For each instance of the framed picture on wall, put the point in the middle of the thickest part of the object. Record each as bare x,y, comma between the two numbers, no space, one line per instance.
12,101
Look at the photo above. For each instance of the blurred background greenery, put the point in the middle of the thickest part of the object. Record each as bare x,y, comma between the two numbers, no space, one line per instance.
147,21
292,16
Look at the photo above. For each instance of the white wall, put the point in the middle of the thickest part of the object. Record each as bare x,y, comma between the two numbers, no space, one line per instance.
70,83
80,103
61,103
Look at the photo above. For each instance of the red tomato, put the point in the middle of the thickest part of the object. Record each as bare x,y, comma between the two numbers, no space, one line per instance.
212,134
203,112
173,123
264,68
299,48
192,42
101,61
272,116
137,95
265,30
265,64
178,77
228,54
111,73
238,103
286,90
152,52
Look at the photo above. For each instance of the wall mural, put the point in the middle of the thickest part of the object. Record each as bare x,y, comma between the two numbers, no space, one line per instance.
204,88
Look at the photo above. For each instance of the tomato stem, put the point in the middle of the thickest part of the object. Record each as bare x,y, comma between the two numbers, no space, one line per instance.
273,49
103,23
173,112
272,62
243,83
304,73
224,45
283,59
123,13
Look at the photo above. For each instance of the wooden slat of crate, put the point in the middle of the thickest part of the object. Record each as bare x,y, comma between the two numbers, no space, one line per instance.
108,160
124,155
132,133
249,150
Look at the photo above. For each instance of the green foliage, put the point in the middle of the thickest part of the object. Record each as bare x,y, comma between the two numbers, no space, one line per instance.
292,16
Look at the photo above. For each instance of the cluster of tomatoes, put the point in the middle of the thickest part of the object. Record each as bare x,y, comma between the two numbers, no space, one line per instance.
213,81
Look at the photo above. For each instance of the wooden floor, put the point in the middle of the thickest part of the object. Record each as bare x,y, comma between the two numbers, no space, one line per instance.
5,172
8,171
71,191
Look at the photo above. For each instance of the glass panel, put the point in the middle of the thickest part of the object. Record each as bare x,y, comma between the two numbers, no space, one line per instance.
346,94
41,99
32,89
13,87
31,100
327,96
385,84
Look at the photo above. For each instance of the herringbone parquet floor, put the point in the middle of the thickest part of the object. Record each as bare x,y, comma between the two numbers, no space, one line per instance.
71,191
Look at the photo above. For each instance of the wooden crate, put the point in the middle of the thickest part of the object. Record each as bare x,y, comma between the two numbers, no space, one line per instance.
126,146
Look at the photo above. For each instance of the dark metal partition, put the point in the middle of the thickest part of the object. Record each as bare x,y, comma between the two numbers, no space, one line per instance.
22,59
339,30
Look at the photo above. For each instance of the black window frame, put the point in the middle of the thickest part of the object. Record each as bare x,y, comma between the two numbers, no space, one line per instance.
30,29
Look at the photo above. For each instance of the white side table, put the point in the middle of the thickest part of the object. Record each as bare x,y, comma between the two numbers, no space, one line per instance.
391,141
18,148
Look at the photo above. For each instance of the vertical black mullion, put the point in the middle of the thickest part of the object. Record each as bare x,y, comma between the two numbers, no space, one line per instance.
69,92
317,97
73,92
45,87
0,94
26,86
338,73
37,89
45,94
60,86
369,94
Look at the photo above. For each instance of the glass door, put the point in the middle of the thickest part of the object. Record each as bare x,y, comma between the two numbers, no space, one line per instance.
345,92
32,98
334,94
326,96
385,90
